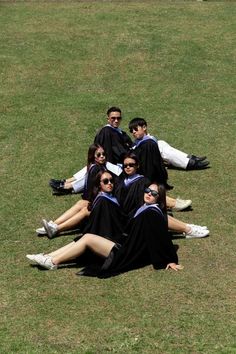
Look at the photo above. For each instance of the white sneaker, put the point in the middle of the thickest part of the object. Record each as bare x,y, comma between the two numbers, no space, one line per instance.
181,204
51,228
45,261
42,231
31,257
203,227
197,232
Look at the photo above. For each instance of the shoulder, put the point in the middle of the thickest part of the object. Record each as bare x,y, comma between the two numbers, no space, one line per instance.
96,168
103,131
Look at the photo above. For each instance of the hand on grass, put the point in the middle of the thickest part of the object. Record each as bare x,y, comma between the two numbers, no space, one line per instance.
174,266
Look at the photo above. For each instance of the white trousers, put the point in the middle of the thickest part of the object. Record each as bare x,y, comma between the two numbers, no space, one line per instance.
170,155
173,156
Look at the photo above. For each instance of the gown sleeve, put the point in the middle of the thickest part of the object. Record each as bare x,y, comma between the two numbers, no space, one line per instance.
151,162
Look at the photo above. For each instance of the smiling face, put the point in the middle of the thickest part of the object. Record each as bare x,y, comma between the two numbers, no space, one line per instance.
151,194
130,166
114,119
139,132
106,182
99,156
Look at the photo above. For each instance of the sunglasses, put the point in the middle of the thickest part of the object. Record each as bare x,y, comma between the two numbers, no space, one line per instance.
114,118
107,180
133,129
132,164
99,154
153,193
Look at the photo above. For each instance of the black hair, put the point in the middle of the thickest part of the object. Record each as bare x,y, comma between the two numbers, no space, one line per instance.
135,122
113,109
96,187
162,197
131,155
91,153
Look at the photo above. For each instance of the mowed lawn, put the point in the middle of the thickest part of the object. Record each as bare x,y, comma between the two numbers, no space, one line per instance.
62,64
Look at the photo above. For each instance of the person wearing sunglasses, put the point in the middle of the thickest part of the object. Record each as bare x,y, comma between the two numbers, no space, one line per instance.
96,160
79,211
171,156
129,193
148,242
107,218
151,163
131,183
114,140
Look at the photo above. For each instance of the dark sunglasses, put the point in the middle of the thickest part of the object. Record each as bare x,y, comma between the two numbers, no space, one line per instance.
153,193
133,129
114,118
132,164
107,180
99,154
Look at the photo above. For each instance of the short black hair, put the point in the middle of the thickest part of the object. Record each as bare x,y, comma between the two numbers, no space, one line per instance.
135,122
131,155
113,109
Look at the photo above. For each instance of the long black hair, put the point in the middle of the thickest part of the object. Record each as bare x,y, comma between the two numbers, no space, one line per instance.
91,154
96,187
161,200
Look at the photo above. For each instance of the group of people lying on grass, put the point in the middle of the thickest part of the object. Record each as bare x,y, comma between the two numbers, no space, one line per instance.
123,215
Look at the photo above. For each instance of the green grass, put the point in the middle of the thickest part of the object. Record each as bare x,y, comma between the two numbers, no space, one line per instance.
62,65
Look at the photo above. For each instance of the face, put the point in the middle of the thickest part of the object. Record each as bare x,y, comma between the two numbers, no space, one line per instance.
149,194
99,156
139,132
130,166
114,119
106,182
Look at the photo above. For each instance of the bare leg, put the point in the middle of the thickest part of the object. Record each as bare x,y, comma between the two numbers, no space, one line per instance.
61,250
74,220
170,202
72,211
70,180
67,185
97,244
177,225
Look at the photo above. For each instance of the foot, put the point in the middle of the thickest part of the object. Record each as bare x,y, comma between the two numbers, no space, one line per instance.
51,228
45,261
55,183
181,204
197,164
203,227
41,230
33,257
197,158
196,232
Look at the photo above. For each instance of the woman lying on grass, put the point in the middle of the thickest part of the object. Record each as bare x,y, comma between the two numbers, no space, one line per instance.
79,211
129,193
148,242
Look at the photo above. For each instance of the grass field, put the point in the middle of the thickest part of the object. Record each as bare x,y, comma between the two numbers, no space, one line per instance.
62,65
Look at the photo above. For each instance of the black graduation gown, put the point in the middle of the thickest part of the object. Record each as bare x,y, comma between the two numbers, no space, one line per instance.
116,143
91,174
151,163
130,197
148,242
106,220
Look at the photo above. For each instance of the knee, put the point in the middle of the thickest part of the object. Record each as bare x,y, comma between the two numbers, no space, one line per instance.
85,211
88,238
